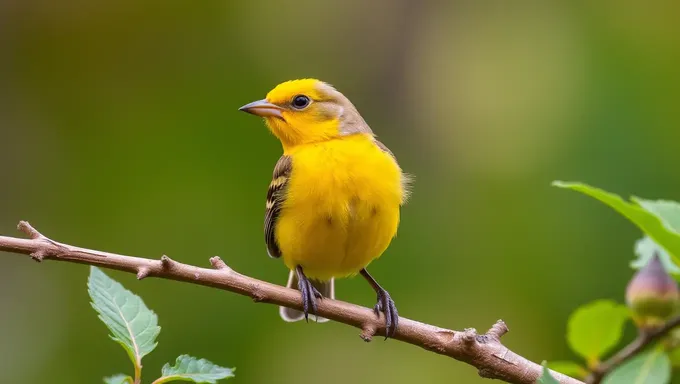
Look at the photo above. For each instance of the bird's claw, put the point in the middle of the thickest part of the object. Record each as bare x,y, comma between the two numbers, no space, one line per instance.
386,305
309,295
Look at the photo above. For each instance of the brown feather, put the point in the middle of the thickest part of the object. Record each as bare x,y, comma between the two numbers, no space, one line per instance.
276,195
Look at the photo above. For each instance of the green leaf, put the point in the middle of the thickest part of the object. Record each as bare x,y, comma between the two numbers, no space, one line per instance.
595,328
132,324
657,219
674,355
650,367
668,211
645,248
546,377
118,379
189,368
569,368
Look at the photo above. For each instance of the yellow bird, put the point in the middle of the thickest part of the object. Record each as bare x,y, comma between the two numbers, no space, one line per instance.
334,201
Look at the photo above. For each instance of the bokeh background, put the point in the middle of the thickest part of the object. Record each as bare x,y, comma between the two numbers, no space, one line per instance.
119,131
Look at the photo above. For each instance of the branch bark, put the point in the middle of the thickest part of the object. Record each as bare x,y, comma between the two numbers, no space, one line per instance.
483,351
644,339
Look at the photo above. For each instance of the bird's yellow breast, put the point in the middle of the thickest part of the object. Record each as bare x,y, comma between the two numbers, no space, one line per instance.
341,208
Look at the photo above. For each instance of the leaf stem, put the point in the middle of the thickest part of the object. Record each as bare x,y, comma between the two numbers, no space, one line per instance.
167,379
644,339
138,372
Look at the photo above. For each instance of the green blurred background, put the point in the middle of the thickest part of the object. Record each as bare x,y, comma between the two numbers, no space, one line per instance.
119,131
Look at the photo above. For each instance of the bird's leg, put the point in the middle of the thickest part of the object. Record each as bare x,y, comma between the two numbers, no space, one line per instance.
385,305
308,291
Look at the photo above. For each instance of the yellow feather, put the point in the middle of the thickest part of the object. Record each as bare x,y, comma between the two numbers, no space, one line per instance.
335,223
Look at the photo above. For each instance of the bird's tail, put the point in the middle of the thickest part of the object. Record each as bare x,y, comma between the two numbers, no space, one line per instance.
326,288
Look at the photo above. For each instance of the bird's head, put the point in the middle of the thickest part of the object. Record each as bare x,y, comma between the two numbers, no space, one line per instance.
307,111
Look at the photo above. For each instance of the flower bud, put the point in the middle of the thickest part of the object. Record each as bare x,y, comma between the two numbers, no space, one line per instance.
652,295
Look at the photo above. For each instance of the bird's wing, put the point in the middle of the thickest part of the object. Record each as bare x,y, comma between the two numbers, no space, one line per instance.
276,194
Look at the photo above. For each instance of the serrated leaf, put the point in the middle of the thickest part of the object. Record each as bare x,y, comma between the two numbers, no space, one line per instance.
569,368
189,368
646,248
595,328
132,324
118,379
650,367
655,219
546,377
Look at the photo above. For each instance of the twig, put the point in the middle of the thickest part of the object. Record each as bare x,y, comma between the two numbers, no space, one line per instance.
485,352
644,339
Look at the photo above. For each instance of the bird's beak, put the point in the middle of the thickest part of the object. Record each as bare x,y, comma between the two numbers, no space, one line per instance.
262,108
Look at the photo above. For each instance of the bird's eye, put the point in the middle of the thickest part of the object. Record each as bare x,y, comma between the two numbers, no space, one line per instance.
300,101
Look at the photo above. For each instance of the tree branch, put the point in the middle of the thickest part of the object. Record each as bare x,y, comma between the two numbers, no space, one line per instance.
644,339
485,352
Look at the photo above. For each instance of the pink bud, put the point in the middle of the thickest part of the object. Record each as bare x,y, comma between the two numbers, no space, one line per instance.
652,295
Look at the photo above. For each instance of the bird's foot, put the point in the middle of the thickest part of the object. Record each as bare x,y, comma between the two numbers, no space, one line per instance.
386,305
309,294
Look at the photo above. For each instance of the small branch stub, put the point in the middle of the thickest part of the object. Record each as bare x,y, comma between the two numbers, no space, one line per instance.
367,332
498,330
167,262
469,336
31,232
143,272
39,255
218,263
